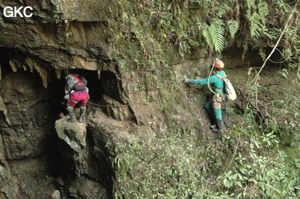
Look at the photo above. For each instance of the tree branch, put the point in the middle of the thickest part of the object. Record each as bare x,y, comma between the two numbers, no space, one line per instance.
274,48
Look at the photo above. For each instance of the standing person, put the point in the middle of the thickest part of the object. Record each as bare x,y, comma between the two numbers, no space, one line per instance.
76,92
214,106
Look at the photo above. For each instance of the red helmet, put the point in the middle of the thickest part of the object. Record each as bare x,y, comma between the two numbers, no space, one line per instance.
219,64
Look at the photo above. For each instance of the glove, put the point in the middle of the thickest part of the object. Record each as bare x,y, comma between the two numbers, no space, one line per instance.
67,96
185,80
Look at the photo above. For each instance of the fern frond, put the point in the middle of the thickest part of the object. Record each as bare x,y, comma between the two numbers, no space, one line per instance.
271,33
221,12
207,36
233,27
263,10
250,4
223,9
214,35
255,25
220,42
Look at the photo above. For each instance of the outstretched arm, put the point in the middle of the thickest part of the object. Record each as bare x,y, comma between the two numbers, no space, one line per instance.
212,79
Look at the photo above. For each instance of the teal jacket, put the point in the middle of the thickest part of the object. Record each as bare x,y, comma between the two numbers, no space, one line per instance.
218,84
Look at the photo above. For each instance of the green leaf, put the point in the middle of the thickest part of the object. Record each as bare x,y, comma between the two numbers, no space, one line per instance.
255,25
214,35
263,11
233,26
250,4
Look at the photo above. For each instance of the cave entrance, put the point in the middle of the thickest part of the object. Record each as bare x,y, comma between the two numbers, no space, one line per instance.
42,108
57,87
94,83
105,83
6,55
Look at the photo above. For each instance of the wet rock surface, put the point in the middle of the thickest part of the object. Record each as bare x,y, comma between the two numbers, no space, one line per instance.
24,100
27,134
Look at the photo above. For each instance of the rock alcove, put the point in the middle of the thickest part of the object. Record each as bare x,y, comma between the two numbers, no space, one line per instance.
32,148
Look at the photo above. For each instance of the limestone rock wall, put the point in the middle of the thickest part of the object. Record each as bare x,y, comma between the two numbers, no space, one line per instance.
23,101
76,36
36,52
26,127
62,33
78,166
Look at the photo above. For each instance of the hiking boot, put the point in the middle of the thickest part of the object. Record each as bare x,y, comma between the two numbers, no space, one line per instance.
219,126
82,114
71,114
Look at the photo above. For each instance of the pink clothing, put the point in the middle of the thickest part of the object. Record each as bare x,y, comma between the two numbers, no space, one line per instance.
80,97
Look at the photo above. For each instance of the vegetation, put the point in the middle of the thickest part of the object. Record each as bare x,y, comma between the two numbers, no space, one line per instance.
157,27
250,161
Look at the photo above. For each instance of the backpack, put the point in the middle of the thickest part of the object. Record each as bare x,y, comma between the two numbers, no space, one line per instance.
229,92
80,84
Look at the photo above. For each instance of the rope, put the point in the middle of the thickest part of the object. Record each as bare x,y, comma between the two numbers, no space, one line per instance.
208,85
121,105
134,104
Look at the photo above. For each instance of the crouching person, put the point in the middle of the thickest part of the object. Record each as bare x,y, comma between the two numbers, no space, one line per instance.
76,93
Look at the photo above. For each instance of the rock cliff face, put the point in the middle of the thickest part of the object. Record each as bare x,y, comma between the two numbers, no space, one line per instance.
39,151
35,158
35,53
26,128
